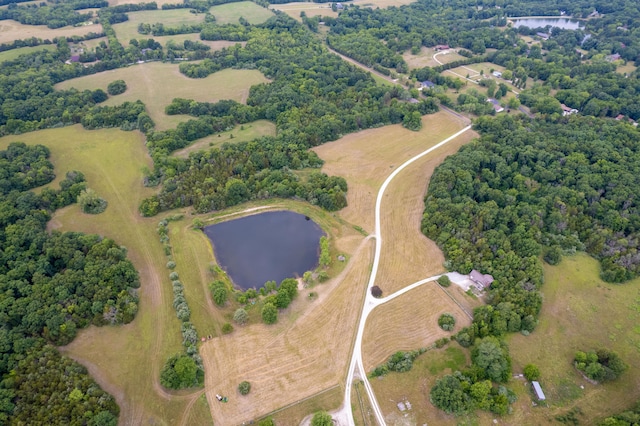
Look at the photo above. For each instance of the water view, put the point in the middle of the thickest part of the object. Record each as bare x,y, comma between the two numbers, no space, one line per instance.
564,23
266,246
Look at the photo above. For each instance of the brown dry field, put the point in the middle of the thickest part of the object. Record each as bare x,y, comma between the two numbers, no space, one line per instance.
366,158
407,255
293,359
407,323
11,30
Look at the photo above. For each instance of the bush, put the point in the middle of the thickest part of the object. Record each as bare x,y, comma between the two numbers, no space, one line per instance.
116,87
180,371
444,281
321,418
602,365
376,291
240,316
447,322
171,264
173,276
323,276
227,328
244,388
531,372
90,202
269,313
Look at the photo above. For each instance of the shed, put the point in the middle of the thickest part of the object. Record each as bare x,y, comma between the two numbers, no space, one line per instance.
538,390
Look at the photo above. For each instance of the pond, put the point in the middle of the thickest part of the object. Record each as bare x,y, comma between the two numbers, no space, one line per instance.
266,246
532,22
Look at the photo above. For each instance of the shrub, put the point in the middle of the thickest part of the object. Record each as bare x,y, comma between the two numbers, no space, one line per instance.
376,291
116,87
323,276
90,202
447,322
321,418
602,365
244,388
227,328
531,372
444,281
269,313
240,316
171,264
181,371
174,276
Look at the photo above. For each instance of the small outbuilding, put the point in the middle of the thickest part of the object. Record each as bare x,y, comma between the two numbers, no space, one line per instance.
538,390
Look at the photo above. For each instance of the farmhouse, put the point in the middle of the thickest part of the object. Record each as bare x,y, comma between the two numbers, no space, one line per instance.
497,74
538,390
482,281
440,47
613,58
567,110
426,85
544,36
496,105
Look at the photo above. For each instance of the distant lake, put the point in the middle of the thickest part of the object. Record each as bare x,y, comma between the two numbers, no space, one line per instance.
266,246
564,23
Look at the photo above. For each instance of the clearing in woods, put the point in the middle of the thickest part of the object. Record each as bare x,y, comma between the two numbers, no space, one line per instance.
11,30
231,13
240,133
425,58
170,18
9,55
126,360
157,84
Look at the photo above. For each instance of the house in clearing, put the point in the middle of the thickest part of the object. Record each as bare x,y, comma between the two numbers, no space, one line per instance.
481,281
496,105
567,110
426,85
440,47
538,390
497,74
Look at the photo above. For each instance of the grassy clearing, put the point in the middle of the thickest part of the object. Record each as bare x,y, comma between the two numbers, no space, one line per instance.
407,323
126,360
361,405
580,312
381,3
156,84
230,13
128,30
11,30
10,55
241,133
627,68
425,58
311,9
324,401
414,386
159,2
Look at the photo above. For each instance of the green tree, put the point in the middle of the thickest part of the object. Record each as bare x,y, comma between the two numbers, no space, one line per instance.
492,357
244,388
447,322
444,281
116,87
321,418
227,328
90,202
531,372
269,313
448,395
240,316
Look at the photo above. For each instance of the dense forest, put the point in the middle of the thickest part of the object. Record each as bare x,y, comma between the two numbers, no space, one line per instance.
51,285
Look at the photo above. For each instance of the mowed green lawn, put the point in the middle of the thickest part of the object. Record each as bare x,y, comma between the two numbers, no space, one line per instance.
230,13
128,30
580,312
157,84
9,55
125,360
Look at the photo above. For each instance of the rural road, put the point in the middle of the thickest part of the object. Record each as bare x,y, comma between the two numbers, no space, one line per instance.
356,366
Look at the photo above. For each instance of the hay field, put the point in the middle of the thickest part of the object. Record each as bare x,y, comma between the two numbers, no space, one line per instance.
9,55
125,31
579,311
296,358
230,13
311,9
11,30
240,133
425,58
407,323
156,84
124,360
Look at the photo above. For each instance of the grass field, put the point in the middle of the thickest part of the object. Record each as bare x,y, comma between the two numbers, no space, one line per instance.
240,133
128,30
11,30
324,401
381,3
125,360
159,2
230,13
627,68
580,312
407,323
425,58
149,83
311,9
9,55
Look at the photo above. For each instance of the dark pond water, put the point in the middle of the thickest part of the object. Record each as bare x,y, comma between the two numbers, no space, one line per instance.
564,23
266,246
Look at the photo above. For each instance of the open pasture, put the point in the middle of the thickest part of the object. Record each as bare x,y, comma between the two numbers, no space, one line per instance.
124,360
157,84
310,9
159,2
230,13
425,58
11,30
407,323
128,30
9,55
579,312
241,133
381,3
